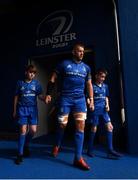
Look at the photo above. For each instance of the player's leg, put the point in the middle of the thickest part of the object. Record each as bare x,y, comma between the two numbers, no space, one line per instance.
79,114
62,123
79,133
64,105
79,140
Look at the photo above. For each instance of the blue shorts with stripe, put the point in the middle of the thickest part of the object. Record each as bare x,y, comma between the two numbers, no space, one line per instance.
71,104
94,117
27,115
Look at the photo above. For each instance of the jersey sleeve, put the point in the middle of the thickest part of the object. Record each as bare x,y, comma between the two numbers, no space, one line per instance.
88,73
38,88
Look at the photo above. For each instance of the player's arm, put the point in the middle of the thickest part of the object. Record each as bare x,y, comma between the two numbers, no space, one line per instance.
39,91
50,87
107,107
15,101
41,97
90,94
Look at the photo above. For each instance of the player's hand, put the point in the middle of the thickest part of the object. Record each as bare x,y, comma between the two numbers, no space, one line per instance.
48,99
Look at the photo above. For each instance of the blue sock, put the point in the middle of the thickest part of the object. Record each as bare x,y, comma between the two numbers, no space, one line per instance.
79,138
110,140
59,136
29,137
91,141
21,142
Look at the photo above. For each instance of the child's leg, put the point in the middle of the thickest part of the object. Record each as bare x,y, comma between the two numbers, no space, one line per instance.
94,119
91,140
109,129
21,140
32,121
109,133
30,134
111,152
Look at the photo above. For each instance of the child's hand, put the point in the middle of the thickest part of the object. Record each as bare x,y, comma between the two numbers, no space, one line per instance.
91,106
90,103
48,99
14,115
107,108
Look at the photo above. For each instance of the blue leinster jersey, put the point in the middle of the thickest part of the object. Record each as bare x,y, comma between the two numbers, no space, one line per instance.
73,77
28,92
100,93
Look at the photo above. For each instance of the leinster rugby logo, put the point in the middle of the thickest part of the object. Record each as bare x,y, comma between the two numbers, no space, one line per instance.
54,29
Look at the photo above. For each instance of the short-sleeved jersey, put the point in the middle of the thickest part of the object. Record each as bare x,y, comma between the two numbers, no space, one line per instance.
28,92
73,77
100,94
